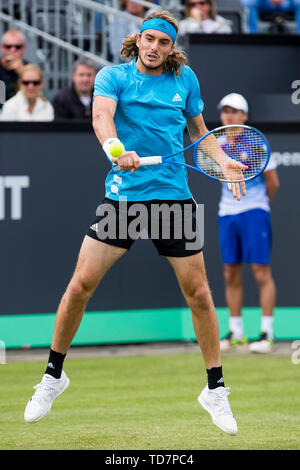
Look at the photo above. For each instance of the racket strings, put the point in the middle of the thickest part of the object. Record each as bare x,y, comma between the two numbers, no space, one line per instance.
244,145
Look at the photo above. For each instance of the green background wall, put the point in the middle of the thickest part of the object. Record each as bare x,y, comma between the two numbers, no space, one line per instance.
138,326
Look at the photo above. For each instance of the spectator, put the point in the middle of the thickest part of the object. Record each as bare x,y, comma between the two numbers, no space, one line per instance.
28,104
255,7
201,17
11,63
75,102
121,27
246,237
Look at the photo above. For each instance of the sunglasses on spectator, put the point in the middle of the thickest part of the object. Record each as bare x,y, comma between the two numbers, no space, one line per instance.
33,82
10,46
192,4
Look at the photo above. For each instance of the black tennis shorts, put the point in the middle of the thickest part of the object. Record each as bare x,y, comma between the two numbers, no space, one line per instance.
175,227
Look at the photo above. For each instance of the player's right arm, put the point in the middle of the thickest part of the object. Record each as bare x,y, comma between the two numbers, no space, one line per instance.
103,118
104,109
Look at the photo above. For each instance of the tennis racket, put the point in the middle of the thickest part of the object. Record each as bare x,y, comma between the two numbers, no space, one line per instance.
215,154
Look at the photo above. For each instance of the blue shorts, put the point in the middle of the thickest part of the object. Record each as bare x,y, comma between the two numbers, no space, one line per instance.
246,237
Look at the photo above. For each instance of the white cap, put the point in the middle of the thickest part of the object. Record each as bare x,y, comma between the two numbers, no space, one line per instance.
235,101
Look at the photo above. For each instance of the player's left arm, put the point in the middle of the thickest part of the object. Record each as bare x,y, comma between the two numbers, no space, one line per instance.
272,183
197,128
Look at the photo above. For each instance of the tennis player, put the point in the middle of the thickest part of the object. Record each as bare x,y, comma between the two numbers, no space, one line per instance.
146,104
245,237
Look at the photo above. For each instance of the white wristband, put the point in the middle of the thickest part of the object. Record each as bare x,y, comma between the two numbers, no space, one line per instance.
107,145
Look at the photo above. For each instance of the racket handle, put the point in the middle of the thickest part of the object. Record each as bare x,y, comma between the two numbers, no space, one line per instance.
155,160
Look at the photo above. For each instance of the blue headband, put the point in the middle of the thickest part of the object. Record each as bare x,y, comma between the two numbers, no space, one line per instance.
160,25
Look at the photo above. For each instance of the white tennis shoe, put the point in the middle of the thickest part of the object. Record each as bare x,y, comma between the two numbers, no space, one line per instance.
262,346
216,403
40,403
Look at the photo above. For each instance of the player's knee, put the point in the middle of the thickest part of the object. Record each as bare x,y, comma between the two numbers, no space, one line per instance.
200,296
79,289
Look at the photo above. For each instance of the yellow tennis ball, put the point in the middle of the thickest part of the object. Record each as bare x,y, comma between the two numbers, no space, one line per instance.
116,149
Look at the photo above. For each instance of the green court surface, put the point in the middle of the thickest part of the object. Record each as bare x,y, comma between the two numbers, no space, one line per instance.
150,402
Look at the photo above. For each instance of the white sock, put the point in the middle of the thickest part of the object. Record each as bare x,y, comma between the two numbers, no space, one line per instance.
267,326
236,327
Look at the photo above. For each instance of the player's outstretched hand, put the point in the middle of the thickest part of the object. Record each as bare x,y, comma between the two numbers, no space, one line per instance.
232,169
128,161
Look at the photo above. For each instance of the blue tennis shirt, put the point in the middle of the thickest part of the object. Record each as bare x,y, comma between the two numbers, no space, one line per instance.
150,118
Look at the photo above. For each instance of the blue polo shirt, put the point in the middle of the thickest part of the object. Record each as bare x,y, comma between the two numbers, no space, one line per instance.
150,118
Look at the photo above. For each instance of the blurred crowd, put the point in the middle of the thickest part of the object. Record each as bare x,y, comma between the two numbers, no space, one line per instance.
201,16
24,81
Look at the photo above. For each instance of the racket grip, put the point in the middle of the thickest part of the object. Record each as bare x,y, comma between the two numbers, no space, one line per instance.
155,160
